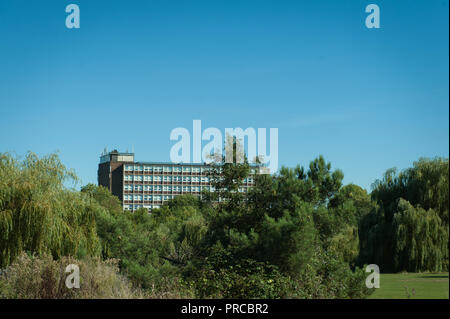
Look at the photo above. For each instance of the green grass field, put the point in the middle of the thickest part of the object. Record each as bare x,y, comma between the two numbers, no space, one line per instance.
416,285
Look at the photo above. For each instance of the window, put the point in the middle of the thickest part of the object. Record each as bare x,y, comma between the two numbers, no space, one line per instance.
195,179
196,170
157,178
205,169
167,169
186,179
186,169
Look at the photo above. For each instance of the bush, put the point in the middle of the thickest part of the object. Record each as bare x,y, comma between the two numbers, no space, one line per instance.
241,279
32,277
326,276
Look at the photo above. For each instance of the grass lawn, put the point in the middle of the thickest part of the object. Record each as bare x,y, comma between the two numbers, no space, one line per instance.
425,285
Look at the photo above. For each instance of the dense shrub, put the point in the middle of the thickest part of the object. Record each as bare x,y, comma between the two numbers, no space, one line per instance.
32,277
222,276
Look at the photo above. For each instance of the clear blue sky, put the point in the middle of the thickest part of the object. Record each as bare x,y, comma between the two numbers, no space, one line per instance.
366,99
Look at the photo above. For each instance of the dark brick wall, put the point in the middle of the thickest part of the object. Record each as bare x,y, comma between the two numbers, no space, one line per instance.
103,175
117,180
113,181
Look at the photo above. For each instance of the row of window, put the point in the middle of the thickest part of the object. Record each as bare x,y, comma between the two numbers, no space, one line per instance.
159,178
169,169
148,197
136,207
166,188
166,169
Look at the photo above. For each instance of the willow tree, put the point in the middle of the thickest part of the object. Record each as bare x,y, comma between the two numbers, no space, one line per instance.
38,214
409,228
426,184
421,239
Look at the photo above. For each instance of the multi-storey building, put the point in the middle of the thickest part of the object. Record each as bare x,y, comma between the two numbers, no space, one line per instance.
150,184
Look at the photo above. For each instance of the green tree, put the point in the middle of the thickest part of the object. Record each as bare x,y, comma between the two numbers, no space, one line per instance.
421,239
39,214
412,209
